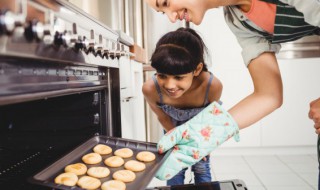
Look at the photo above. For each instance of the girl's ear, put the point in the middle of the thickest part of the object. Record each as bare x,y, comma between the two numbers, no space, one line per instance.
198,69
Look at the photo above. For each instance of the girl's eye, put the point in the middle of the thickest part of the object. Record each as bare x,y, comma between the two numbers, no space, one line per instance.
178,78
161,76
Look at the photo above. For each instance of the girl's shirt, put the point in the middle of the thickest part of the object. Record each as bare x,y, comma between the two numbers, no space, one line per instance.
254,43
180,116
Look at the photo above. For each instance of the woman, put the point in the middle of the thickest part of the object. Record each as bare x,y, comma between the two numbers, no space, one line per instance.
260,26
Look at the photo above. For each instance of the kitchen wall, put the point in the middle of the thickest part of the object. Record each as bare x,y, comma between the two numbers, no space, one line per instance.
287,129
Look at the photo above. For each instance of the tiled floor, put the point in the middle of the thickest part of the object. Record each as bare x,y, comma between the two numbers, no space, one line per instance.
264,172
268,172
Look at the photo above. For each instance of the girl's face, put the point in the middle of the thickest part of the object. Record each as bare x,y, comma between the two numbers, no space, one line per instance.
189,10
175,85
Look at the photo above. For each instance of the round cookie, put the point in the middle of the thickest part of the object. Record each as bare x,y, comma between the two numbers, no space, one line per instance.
146,156
92,158
102,149
113,185
87,182
124,152
114,161
124,176
68,179
78,168
135,166
98,172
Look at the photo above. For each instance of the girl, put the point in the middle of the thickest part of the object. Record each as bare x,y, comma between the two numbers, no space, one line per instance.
181,87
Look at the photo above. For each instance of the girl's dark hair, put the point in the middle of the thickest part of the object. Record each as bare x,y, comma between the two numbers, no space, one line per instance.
179,52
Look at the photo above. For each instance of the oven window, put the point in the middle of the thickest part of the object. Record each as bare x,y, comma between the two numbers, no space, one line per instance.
35,134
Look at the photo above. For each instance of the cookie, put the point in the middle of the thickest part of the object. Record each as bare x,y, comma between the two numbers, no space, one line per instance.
92,158
68,179
146,156
135,166
98,172
78,168
102,149
114,161
87,182
124,176
113,185
124,152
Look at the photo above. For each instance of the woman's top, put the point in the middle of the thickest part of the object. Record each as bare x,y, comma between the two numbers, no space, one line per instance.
180,116
293,20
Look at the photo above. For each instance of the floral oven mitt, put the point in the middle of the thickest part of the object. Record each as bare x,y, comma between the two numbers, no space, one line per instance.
195,139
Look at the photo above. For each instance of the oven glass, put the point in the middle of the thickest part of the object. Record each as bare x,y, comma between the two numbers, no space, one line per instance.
34,134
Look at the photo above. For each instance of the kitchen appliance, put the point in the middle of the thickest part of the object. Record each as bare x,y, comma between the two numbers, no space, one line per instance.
235,184
59,85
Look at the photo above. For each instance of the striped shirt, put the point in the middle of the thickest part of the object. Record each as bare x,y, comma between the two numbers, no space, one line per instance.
254,43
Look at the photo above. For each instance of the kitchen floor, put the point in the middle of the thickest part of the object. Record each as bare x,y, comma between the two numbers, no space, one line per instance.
264,172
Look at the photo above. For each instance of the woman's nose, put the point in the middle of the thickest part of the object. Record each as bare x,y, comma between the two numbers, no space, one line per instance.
173,16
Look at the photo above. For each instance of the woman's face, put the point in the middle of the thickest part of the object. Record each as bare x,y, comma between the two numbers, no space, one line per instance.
189,10
175,85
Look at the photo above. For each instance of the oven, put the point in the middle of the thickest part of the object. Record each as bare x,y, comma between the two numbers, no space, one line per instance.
59,85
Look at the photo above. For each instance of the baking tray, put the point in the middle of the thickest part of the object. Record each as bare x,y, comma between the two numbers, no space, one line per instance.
47,175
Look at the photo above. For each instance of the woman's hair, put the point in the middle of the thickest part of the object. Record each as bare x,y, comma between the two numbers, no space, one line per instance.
179,52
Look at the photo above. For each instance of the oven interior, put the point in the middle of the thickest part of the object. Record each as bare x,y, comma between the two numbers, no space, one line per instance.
36,133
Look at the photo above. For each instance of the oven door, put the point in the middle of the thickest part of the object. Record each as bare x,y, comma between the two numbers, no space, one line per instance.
234,184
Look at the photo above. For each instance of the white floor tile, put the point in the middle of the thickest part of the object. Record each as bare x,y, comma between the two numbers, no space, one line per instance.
311,178
304,167
269,168
226,168
283,179
292,159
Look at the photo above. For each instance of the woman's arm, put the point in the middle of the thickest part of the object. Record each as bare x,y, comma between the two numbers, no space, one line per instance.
267,95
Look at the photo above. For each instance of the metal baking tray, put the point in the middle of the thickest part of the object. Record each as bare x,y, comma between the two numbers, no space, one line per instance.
47,175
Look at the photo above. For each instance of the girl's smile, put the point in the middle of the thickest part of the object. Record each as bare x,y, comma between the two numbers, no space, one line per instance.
175,85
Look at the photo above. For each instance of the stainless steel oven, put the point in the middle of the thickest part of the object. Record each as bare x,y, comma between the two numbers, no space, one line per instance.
59,85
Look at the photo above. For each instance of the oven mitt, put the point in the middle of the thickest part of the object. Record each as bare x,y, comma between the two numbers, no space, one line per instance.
195,139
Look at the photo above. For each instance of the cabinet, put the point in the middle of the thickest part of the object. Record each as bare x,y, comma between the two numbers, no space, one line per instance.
132,102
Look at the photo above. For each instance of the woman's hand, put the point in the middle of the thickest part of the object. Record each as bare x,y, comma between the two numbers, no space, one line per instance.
314,114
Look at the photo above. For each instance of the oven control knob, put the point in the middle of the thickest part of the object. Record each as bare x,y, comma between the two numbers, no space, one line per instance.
106,49
67,39
7,22
118,50
34,31
98,47
48,37
58,39
91,43
79,44
112,52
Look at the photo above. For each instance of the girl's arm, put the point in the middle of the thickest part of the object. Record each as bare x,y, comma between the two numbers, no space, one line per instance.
267,94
